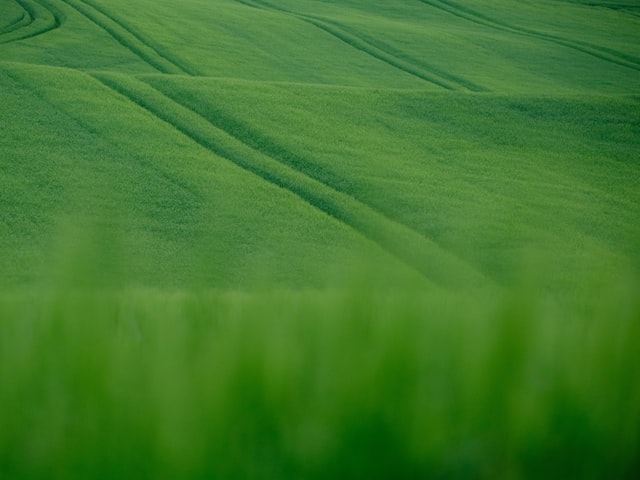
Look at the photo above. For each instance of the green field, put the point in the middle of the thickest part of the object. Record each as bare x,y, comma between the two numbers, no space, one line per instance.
318,239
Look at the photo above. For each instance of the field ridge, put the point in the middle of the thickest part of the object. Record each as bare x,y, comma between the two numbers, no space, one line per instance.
13,24
417,251
38,19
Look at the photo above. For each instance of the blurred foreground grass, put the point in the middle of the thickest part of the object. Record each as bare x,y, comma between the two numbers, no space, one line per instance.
140,383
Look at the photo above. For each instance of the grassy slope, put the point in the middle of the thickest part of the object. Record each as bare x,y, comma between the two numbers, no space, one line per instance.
470,176
278,144
478,174
172,212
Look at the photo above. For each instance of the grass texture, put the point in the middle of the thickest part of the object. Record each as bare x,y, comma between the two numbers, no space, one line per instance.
152,384
273,239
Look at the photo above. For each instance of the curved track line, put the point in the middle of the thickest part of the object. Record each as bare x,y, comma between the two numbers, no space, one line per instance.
42,19
602,53
161,52
371,50
448,82
627,9
618,7
245,134
125,38
265,145
418,65
19,22
147,164
415,250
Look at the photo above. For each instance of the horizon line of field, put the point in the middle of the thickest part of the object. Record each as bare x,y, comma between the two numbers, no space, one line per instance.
340,86
420,253
37,17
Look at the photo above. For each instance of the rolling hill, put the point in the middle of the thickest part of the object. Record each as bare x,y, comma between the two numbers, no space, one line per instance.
439,134
356,238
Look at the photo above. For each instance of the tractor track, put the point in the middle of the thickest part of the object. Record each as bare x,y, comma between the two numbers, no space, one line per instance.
146,164
412,248
596,51
19,22
618,7
377,51
39,18
127,38
161,52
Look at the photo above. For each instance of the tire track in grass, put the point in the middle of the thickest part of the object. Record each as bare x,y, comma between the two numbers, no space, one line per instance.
244,133
627,9
150,168
377,51
602,53
447,82
41,19
618,7
161,52
21,21
126,38
454,80
415,250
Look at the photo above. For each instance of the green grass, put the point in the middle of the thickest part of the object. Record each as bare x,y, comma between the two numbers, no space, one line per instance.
157,384
319,239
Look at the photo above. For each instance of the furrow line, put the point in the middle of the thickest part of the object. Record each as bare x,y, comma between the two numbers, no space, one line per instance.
360,44
124,37
160,52
22,21
58,16
147,164
42,20
257,141
418,252
452,79
377,53
599,52
631,12
622,8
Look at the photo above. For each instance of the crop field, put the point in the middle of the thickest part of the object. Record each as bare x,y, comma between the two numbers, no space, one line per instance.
313,239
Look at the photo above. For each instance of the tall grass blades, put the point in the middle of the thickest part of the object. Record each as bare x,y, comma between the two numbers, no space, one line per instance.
151,384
